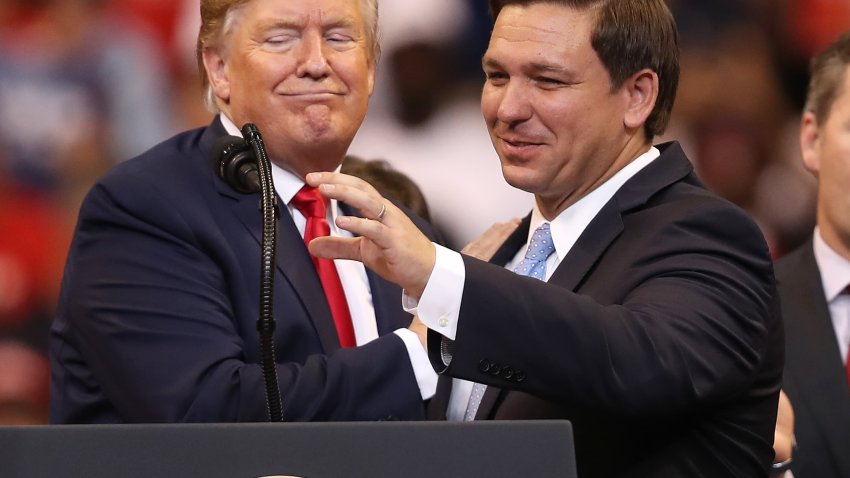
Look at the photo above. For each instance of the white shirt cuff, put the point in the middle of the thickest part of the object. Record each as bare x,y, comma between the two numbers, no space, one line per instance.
426,377
439,306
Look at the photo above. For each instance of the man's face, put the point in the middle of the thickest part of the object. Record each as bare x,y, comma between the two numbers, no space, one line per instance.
553,119
301,71
826,152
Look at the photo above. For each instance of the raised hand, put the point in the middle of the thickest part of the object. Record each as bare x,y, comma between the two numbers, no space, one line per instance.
388,242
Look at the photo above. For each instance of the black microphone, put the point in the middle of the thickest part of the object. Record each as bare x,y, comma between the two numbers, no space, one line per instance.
244,165
236,164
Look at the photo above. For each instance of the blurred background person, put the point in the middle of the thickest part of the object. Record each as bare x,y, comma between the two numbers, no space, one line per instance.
814,280
389,182
24,375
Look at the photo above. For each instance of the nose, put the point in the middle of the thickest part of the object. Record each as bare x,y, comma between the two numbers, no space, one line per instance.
514,105
312,61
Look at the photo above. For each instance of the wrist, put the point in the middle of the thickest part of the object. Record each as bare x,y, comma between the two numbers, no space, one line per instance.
779,469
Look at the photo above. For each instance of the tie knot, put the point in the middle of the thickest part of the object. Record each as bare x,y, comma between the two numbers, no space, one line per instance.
539,249
541,245
310,202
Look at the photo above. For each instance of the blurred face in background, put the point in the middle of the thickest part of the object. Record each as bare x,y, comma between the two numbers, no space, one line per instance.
302,71
826,152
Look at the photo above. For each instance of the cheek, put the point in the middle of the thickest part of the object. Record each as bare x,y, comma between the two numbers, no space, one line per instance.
489,105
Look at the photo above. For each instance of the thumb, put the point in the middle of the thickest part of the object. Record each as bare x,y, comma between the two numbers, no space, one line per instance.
331,247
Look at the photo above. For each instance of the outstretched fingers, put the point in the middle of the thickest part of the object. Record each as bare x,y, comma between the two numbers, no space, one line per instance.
353,191
332,247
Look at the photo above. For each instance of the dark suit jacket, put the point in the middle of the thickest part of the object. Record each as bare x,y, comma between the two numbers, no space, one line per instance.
815,380
658,335
159,303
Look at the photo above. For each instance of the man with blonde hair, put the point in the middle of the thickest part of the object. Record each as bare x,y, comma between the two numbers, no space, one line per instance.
156,321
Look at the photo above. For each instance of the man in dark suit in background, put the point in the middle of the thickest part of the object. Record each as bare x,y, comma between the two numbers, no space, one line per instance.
814,279
156,321
649,317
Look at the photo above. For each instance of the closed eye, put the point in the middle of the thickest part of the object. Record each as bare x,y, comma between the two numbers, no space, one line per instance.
548,82
496,77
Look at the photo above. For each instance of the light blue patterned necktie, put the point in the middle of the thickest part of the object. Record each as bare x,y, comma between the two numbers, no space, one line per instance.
532,265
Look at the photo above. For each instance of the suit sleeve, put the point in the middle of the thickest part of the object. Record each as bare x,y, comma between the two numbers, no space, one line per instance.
690,328
151,315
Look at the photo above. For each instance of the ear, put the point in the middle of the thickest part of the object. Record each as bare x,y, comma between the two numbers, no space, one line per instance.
215,63
810,142
373,65
641,92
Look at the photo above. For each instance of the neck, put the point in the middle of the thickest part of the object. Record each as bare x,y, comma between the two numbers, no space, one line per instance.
552,207
833,238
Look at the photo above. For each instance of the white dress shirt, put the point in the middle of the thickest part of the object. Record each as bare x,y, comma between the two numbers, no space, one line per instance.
439,306
352,275
835,276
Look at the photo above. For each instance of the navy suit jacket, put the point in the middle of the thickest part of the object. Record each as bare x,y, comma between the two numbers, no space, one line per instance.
814,380
157,315
658,335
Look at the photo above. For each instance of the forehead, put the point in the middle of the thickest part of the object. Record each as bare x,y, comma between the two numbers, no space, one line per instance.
543,27
304,12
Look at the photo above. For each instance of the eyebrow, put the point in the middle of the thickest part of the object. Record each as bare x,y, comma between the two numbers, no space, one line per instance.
292,23
535,67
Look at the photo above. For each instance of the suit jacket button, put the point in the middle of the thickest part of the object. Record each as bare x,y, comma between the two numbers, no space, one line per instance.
495,369
507,372
484,365
519,376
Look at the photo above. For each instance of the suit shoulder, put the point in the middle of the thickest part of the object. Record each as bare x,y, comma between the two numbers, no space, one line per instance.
169,177
687,202
159,162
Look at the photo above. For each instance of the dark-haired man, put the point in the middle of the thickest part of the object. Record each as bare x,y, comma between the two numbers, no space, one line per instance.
814,279
648,316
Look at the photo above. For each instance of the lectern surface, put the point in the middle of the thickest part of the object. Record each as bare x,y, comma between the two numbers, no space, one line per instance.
540,449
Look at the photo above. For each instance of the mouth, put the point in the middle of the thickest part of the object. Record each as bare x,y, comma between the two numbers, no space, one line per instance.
311,94
518,147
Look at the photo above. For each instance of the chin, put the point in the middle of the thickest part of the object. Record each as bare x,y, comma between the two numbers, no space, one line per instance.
519,178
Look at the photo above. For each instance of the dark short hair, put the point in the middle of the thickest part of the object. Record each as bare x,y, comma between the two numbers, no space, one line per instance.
630,35
389,182
828,71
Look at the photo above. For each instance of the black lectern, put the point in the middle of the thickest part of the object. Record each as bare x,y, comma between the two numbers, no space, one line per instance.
539,449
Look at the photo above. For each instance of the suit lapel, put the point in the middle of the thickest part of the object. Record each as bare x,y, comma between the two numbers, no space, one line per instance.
814,348
292,258
670,167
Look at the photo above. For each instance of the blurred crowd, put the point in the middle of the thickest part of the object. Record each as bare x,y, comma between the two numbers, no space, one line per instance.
88,83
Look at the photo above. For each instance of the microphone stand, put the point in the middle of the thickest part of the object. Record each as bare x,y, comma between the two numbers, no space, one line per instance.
265,323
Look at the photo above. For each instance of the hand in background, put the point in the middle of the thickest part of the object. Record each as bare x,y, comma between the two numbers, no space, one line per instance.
783,437
488,243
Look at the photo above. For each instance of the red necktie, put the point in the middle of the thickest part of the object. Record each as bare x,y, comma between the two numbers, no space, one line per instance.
847,367
312,205
846,291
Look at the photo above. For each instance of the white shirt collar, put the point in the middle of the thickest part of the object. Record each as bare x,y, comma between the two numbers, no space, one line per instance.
286,183
834,269
571,223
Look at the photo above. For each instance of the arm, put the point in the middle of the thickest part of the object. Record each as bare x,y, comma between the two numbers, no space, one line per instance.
667,321
162,314
683,316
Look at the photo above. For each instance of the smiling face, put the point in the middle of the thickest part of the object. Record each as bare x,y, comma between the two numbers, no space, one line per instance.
559,129
302,71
